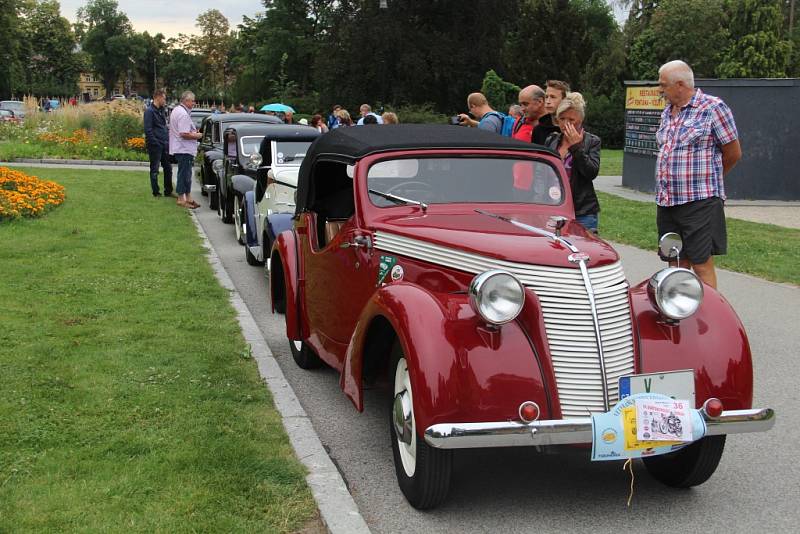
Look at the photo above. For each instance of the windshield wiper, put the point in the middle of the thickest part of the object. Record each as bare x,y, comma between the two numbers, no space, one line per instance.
399,200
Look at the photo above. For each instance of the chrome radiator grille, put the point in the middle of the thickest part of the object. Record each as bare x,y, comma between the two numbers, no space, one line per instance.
567,317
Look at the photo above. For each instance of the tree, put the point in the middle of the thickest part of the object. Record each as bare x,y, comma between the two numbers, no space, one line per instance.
107,40
52,67
9,51
149,51
213,46
691,30
499,92
757,48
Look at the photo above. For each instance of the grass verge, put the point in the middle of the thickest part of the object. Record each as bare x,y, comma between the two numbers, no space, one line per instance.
610,162
128,399
764,250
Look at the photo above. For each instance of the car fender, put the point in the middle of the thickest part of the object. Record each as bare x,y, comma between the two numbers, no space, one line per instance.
243,183
284,257
251,222
713,342
452,357
278,223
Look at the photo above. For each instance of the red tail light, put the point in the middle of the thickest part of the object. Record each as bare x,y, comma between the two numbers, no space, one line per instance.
713,407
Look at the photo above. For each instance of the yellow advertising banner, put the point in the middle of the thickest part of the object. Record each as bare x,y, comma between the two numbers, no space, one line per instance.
644,98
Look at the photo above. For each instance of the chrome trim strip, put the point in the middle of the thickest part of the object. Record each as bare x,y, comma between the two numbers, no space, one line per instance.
209,188
587,282
571,431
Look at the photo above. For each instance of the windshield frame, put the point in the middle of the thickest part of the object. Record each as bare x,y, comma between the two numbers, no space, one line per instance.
364,165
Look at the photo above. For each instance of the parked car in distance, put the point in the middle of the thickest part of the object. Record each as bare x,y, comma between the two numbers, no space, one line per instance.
447,264
6,115
14,105
268,207
198,114
210,148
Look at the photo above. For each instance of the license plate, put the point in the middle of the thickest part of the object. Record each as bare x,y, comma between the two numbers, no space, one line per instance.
674,384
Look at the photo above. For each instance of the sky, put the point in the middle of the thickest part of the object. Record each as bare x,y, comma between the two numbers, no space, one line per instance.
170,19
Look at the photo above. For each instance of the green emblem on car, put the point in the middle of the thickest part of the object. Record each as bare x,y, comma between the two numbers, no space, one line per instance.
385,265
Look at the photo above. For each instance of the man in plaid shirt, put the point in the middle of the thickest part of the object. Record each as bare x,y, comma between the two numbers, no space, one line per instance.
698,145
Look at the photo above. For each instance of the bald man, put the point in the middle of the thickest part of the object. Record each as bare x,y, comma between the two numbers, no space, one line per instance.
485,117
698,144
531,100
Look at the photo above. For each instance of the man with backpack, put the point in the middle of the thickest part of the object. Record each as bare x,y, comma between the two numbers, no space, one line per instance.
485,117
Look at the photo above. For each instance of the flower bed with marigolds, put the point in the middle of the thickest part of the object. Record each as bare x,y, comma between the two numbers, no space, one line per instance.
22,195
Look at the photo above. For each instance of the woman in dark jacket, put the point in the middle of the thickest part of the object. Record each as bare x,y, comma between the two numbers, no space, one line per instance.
580,152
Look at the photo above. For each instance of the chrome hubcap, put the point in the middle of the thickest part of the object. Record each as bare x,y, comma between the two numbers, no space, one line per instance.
402,417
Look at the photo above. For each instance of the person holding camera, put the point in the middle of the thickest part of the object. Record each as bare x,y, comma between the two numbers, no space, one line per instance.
485,117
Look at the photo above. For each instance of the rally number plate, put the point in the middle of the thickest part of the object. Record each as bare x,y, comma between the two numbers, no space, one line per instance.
675,384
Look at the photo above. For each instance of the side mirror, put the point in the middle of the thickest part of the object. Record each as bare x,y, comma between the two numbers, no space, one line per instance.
670,246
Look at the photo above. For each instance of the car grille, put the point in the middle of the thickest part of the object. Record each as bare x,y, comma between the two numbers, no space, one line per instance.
567,318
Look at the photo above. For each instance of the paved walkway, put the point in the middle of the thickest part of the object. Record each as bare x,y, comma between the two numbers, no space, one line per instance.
781,213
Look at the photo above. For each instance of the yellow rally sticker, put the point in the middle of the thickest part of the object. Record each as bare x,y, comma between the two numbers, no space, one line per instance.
629,429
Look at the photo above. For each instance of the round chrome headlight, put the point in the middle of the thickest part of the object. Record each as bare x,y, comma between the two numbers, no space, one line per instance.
496,296
255,160
676,292
217,166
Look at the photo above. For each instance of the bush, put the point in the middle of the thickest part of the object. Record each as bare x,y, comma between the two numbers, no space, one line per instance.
114,129
499,92
422,114
605,117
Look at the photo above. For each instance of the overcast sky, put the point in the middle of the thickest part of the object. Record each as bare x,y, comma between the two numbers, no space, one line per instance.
157,16
172,18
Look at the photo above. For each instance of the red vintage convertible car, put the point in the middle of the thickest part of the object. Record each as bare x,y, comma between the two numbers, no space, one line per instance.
446,262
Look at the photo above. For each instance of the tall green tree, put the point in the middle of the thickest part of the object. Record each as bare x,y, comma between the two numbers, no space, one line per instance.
9,51
52,66
562,39
213,46
149,52
107,40
758,47
182,70
691,30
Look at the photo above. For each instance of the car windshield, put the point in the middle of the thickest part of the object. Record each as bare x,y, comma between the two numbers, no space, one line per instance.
197,117
12,105
291,152
250,144
446,180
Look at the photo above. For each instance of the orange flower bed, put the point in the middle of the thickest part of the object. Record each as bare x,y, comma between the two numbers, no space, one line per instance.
26,196
77,137
135,143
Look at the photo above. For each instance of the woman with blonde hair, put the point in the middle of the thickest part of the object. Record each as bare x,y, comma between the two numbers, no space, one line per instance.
344,118
390,118
580,152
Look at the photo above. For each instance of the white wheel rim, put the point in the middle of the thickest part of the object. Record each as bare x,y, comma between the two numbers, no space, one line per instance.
237,219
298,345
408,452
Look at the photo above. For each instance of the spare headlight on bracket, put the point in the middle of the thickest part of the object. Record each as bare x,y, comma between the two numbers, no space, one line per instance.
496,296
675,292
255,160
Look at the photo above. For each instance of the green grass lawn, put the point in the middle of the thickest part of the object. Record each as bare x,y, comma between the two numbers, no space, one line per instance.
610,162
763,250
128,400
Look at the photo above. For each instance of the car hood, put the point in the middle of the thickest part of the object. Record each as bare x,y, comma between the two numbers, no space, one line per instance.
487,236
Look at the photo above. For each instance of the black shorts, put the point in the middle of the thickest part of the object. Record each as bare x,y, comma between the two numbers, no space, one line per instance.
701,225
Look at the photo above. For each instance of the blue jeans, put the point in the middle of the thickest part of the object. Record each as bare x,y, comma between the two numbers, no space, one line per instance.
185,162
159,156
588,221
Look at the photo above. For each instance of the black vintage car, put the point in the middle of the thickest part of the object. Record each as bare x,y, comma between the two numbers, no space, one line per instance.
245,159
210,148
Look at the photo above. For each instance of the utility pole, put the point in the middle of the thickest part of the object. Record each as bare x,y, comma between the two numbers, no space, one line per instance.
791,17
155,77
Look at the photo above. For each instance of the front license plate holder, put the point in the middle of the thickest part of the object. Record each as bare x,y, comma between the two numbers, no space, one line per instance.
675,384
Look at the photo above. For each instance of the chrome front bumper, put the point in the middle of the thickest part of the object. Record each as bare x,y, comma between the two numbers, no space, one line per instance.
210,188
572,431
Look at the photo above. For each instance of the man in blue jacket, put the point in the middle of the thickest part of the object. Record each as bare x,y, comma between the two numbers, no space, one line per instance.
156,136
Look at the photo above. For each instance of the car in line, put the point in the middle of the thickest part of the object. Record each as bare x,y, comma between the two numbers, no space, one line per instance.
210,147
6,115
16,106
268,206
446,265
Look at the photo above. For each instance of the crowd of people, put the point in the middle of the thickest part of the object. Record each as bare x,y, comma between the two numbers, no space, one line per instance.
697,138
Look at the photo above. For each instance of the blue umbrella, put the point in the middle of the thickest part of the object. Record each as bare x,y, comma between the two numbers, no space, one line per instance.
278,108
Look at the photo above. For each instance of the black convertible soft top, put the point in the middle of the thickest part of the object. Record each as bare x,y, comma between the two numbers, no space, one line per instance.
347,145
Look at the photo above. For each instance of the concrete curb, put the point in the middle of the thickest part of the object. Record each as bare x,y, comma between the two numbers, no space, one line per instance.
83,162
337,508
